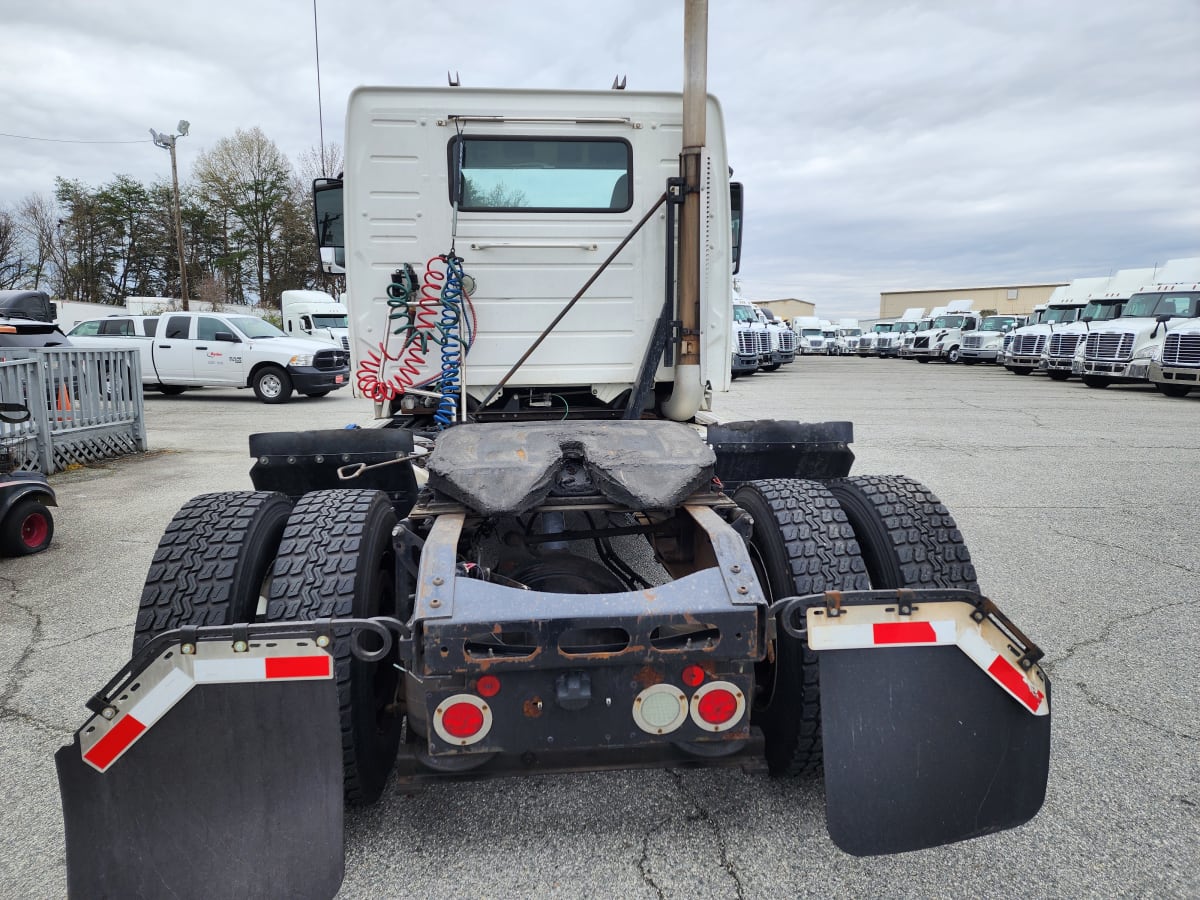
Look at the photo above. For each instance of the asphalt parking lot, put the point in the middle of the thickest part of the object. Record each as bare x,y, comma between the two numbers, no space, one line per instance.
1079,507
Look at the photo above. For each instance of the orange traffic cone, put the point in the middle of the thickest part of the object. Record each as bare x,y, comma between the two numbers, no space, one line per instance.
63,403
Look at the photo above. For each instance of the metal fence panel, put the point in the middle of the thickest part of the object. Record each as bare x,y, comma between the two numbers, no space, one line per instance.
84,405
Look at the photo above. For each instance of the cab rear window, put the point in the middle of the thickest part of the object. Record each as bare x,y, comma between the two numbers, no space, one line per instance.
530,174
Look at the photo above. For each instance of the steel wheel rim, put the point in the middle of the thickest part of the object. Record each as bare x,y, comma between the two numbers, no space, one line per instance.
34,530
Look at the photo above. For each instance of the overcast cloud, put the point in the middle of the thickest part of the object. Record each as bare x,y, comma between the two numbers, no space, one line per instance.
884,146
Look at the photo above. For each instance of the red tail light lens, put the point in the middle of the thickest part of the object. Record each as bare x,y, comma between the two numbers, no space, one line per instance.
718,706
693,676
462,720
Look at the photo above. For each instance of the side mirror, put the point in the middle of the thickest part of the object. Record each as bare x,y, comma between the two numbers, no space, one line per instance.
1164,317
227,337
53,310
736,199
329,221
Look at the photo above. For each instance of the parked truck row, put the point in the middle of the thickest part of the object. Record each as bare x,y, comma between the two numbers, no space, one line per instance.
1135,326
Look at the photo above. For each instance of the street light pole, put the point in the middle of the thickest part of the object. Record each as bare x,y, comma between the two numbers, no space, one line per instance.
167,142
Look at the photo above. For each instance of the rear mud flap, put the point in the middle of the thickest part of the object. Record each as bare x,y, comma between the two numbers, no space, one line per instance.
209,774
935,719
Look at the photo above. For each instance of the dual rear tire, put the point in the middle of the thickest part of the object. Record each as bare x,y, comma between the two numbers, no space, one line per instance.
856,533
242,556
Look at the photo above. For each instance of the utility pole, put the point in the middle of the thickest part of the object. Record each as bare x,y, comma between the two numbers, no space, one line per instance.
167,142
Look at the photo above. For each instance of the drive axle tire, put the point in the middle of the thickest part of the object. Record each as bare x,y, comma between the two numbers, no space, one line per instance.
28,528
335,561
212,562
272,385
801,543
907,537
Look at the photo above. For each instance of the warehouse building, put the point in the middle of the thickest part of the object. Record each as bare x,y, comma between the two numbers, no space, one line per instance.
1017,300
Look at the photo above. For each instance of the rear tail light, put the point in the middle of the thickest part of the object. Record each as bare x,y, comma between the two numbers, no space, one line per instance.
462,720
718,706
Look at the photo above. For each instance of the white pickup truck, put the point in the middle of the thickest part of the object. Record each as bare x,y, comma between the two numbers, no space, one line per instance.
199,349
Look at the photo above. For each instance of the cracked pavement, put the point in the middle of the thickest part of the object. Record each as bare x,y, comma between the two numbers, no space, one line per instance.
1078,506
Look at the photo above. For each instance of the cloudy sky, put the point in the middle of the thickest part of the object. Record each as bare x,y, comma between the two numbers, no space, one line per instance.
883,145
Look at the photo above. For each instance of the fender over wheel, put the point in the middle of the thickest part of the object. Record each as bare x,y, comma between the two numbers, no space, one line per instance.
336,560
212,562
801,543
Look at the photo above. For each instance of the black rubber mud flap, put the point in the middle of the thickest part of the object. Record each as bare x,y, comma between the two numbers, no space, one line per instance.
234,791
922,748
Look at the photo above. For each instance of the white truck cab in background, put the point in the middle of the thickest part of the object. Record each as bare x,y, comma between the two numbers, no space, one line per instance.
1103,304
867,343
315,314
889,343
848,334
782,347
1027,352
923,325
809,335
986,343
749,337
1176,370
943,339
1121,350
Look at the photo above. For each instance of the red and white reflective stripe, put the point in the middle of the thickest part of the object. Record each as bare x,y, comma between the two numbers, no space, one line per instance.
949,623
169,678
1002,672
269,668
877,634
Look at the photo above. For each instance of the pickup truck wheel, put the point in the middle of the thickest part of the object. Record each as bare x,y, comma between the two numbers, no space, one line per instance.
336,560
1096,381
212,563
801,543
907,536
272,385
28,528
170,390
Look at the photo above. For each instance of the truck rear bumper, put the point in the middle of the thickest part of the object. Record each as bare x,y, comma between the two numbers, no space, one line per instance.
566,675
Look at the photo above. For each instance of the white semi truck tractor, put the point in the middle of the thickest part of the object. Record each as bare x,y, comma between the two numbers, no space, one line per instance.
1102,305
1176,371
769,610
810,337
868,343
889,343
1121,351
1027,350
986,343
944,337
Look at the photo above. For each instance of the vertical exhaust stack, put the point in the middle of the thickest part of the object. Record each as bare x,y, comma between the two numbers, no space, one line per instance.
688,392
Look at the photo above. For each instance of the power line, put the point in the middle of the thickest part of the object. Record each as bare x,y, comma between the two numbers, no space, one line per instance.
25,137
